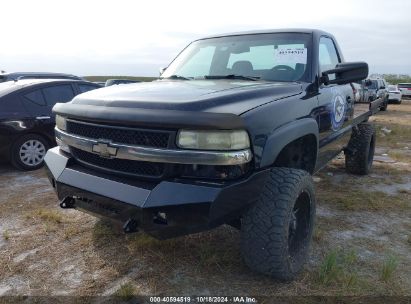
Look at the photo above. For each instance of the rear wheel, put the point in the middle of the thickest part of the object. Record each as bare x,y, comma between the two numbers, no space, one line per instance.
360,151
276,231
27,152
384,106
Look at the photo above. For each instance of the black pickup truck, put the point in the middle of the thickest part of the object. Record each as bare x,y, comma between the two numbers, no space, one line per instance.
230,134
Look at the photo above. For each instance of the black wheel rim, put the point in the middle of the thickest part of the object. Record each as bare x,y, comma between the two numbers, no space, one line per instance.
300,222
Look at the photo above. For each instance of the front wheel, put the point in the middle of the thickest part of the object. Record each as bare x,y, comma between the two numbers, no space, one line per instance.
276,231
27,152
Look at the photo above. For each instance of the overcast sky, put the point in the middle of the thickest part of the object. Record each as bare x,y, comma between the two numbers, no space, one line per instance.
138,37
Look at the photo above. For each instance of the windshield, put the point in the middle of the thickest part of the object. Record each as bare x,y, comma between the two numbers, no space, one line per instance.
392,88
273,57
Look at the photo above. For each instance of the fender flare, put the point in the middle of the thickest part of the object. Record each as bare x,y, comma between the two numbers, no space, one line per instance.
284,135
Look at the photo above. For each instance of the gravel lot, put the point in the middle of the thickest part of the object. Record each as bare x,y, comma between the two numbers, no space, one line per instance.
361,242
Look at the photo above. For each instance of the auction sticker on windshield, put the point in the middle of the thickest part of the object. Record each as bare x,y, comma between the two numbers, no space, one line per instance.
291,55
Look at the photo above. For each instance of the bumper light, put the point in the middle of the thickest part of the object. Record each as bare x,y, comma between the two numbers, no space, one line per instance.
213,140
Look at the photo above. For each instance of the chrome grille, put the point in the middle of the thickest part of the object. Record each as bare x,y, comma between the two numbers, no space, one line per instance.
117,134
122,166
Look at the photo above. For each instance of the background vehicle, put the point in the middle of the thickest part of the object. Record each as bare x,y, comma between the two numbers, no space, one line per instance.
26,120
36,75
377,88
394,94
230,134
405,89
357,90
111,82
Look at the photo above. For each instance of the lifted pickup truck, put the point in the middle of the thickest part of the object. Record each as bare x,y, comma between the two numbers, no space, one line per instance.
230,134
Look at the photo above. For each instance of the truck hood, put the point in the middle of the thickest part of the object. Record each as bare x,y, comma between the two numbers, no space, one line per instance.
216,96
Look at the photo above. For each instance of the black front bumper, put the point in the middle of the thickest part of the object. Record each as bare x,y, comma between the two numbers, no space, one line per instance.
163,209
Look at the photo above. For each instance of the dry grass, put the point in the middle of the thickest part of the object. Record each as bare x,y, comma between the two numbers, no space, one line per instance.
398,120
400,155
47,215
398,136
126,292
205,250
6,235
388,268
318,234
358,199
338,268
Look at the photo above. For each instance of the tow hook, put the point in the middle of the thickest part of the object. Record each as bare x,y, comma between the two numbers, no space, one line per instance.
130,226
67,202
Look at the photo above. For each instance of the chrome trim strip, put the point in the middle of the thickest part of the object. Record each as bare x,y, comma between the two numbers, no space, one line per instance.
157,155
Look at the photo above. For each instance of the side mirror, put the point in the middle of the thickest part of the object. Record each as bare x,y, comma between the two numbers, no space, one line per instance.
346,72
162,70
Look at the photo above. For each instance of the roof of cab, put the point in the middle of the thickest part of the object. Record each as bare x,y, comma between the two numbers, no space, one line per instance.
271,31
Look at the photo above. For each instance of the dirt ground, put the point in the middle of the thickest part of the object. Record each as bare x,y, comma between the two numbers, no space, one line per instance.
361,245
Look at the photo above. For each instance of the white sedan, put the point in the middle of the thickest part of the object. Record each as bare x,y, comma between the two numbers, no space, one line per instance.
405,89
394,94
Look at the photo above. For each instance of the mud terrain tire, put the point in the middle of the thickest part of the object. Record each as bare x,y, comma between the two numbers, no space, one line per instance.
360,152
276,231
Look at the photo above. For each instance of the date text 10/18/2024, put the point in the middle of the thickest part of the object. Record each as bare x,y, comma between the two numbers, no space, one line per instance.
203,299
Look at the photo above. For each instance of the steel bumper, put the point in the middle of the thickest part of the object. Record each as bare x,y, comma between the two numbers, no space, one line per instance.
163,209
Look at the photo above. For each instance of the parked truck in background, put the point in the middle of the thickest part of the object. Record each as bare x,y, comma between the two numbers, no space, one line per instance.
231,133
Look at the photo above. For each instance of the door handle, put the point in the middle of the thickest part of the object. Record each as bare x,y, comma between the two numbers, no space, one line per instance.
43,117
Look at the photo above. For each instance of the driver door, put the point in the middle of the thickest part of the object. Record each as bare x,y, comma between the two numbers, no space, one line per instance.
336,104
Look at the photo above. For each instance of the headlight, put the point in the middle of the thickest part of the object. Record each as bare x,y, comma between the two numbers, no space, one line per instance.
61,123
213,140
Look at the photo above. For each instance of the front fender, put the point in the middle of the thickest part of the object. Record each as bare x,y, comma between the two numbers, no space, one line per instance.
284,135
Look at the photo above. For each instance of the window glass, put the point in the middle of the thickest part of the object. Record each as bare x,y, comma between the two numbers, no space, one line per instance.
273,57
262,57
373,85
404,85
85,88
328,56
200,62
58,93
36,97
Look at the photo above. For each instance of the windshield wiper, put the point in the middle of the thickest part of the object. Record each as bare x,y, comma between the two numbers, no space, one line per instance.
232,76
176,77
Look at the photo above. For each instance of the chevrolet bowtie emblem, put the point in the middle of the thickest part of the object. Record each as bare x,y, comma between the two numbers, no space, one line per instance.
104,150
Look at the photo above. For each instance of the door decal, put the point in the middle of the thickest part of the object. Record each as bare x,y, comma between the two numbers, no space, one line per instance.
339,108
